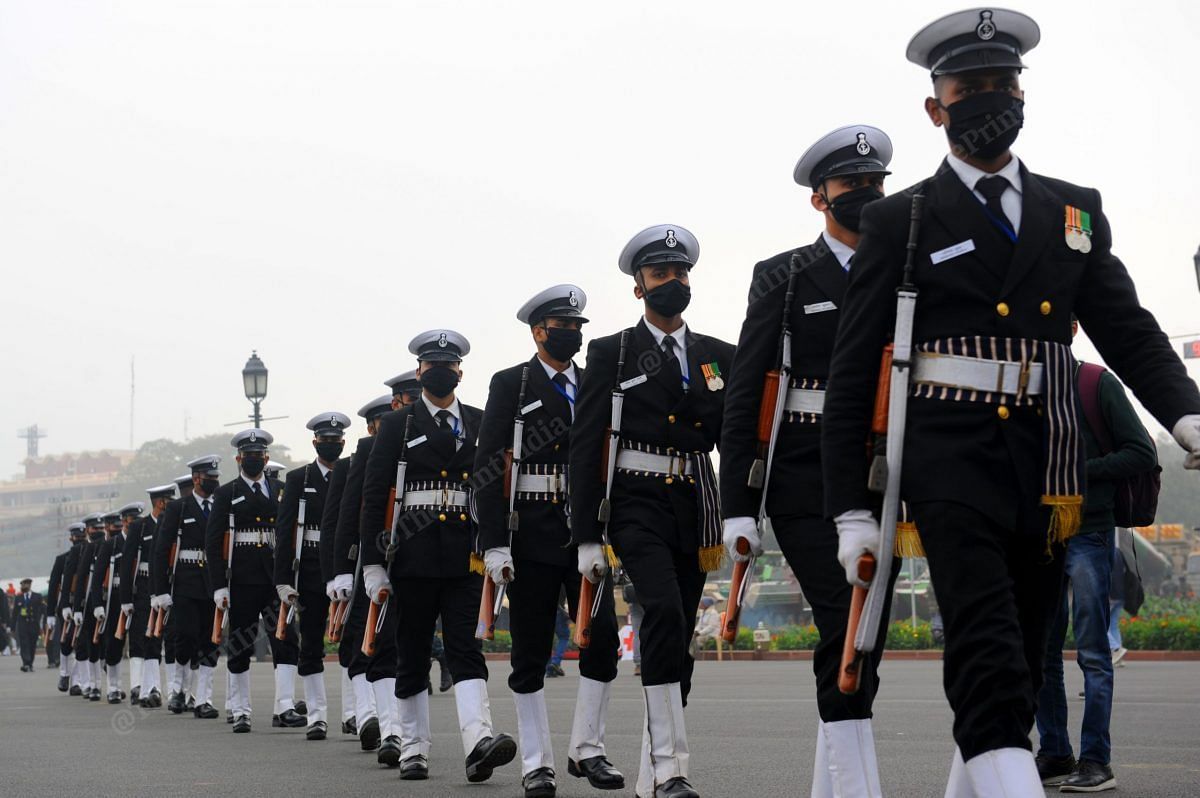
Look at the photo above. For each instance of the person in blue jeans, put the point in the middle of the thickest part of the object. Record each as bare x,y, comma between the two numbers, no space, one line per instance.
562,637
1088,572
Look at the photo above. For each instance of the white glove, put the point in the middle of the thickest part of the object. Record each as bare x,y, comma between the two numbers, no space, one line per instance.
499,564
50,619
98,613
221,598
67,615
127,609
593,565
375,579
742,527
287,594
858,533
331,590
78,618
1187,433
343,585
164,601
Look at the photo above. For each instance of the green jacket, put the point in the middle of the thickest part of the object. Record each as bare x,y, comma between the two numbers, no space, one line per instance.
1133,453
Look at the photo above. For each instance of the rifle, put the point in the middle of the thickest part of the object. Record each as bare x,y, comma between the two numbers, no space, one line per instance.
770,416
67,624
377,612
862,627
589,595
492,597
343,613
162,614
284,619
221,616
102,624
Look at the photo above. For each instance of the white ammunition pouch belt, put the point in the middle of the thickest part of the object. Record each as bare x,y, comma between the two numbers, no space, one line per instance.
436,496
804,400
312,535
542,482
979,374
652,461
191,555
143,569
254,537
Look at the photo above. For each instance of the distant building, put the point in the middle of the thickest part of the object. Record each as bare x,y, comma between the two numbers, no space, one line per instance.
55,490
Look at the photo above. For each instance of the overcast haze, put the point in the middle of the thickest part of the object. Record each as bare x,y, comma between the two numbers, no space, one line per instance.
185,182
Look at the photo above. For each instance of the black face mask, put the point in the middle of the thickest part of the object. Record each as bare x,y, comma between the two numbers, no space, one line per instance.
669,299
985,125
562,344
440,381
329,450
209,485
847,208
253,465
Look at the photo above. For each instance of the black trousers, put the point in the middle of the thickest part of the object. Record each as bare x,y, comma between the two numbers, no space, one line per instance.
85,649
809,544
533,613
997,591
170,633
52,645
417,605
192,620
383,664
668,583
140,644
246,602
312,631
27,638
65,647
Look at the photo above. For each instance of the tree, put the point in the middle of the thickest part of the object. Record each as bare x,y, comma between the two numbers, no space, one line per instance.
1179,500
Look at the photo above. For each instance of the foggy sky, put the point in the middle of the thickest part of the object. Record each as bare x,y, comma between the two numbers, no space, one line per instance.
184,182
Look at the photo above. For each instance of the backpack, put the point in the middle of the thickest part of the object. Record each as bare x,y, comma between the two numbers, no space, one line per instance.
1135,498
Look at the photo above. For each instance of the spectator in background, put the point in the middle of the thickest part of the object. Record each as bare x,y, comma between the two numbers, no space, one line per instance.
28,611
1116,601
708,626
562,637
1088,569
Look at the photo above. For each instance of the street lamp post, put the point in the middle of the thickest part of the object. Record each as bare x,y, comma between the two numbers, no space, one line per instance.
1196,261
254,382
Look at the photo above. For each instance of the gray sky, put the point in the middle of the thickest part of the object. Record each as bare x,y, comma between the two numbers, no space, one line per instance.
183,182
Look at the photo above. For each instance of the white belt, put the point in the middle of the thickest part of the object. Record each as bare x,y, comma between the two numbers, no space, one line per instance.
978,374
116,581
190,555
256,537
805,400
143,569
312,536
541,483
668,465
436,498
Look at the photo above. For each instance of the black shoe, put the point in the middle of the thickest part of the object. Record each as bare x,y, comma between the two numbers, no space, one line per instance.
489,754
152,700
301,708
191,703
75,690
349,726
115,697
599,772
415,768
1090,777
135,696
288,720
677,787
24,669
206,711
95,695
175,703
1053,769
539,783
241,724
553,672
389,751
229,716
123,696
63,684
368,735
446,681
316,730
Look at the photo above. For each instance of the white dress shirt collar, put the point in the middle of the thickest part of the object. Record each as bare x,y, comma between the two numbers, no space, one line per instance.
454,410
569,371
841,251
970,175
250,483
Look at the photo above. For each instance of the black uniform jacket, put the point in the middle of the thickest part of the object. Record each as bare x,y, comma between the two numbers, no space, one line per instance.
109,556
544,534
139,548
658,412
965,451
191,579
87,566
28,610
253,564
309,482
795,482
432,544
331,563
70,576
56,581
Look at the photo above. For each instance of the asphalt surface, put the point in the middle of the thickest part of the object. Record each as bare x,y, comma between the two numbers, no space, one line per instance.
750,728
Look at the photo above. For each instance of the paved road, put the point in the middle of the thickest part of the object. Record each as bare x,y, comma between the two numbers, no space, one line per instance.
750,727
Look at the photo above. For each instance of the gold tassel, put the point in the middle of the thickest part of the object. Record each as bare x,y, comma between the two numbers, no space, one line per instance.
1066,516
908,542
477,564
614,564
711,557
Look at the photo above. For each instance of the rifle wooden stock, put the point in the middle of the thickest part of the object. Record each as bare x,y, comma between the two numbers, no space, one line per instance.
879,419
772,385
331,621
485,628
154,625
119,632
281,622
218,622
733,612
368,643
62,638
583,613
96,633
226,542
851,670
509,479
339,621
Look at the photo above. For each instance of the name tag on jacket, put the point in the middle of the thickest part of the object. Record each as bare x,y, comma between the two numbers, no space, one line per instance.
819,307
961,248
